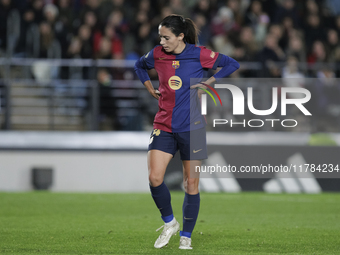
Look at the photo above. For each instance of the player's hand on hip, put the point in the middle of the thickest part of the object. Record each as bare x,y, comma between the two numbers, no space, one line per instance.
155,93
199,91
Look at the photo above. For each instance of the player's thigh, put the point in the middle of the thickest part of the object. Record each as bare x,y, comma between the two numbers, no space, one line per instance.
157,164
162,147
191,169
158,160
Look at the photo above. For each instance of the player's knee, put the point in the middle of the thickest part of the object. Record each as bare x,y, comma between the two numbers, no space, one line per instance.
192,182
191,185
155,179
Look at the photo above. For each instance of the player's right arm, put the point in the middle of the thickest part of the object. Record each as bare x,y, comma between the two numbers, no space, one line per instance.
154,92
142,66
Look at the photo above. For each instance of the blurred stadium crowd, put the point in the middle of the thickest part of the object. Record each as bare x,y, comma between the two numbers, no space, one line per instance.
270,38
266,31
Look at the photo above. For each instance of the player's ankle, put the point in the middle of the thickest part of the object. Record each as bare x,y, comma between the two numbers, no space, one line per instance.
173,221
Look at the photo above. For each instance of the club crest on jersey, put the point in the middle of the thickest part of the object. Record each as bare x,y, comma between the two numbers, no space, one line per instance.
175,64
175,82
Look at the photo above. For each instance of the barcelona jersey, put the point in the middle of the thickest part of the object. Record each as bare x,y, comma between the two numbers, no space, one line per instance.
179,107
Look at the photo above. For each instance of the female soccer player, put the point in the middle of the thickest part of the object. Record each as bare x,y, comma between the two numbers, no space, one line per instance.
176,60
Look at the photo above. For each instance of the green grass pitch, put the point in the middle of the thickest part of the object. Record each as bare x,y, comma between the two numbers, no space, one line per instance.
243,223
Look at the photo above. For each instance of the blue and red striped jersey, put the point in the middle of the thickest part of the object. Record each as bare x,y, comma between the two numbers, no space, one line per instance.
179,107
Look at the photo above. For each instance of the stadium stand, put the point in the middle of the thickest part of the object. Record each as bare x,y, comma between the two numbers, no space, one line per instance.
66,40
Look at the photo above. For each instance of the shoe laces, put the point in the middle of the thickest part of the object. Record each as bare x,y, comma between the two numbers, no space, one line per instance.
166,228
159,228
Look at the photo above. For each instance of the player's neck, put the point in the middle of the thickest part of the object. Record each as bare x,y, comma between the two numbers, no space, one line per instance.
180,48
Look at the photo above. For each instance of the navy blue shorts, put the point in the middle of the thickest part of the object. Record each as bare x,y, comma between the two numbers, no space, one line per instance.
192,145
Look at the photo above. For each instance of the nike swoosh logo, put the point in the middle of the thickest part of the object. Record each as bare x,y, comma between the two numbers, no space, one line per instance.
161,58
187,218
195,151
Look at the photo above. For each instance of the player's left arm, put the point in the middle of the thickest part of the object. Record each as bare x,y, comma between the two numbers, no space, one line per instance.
212,60
228,64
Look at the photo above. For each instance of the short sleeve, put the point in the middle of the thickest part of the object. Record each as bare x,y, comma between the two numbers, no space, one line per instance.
208,58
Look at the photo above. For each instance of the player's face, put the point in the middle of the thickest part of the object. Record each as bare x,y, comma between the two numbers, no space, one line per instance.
170,42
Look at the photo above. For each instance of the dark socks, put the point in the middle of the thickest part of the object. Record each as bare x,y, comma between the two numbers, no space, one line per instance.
191,207
162,198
